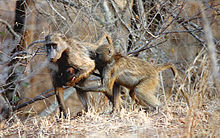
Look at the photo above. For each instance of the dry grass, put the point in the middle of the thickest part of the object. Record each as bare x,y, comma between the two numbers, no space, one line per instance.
192,110
178,120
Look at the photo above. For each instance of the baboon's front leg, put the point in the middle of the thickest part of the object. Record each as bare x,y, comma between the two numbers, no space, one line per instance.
60,100
113,98
82,96
116,96
106,87
100,88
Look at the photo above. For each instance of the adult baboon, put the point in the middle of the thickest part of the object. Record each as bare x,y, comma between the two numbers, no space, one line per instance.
136,74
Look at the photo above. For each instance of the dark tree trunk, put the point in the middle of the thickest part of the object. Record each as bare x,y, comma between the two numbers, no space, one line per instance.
10,87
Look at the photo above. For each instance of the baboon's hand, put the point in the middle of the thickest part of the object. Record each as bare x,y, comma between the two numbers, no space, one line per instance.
71,83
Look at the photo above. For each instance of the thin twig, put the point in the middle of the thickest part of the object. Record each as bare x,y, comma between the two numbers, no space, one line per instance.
181,31
18,53
174,19
144,47
116,9
67,2
10,29
180,21
80,7
51,6
35,42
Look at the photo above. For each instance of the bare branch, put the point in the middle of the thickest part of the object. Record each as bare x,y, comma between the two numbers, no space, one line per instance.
180,21
93,15
106,11
46,94
35,42
174,19
10,28
120,17
51,6
145,47
67,2
18,53
54,105
37,98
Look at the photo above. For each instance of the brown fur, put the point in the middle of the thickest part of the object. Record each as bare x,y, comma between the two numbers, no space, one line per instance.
136,74
70,63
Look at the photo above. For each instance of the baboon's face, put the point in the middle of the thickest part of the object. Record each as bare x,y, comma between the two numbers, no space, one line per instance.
55,45
104,53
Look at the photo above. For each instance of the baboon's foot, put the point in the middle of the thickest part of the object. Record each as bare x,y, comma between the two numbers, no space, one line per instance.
60,118
150,109
62,115
79,114
115,111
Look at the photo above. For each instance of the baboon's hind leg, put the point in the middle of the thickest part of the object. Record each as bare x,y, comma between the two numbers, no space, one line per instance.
133,96
116,96
144,92
83,97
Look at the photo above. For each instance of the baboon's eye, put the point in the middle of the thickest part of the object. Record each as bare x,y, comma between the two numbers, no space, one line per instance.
109,51
54,46
48,47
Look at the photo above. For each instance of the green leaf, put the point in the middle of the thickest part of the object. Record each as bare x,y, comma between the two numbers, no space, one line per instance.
15,98
2,33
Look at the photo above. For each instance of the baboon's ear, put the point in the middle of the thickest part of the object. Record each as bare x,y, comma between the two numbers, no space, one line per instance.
63,36
47,38
109,39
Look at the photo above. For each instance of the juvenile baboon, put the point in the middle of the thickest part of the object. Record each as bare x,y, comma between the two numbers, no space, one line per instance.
71,62
136,74
100,64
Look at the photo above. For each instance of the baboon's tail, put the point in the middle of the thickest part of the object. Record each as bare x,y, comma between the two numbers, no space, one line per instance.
165,66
